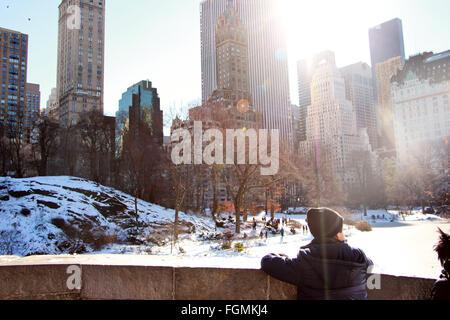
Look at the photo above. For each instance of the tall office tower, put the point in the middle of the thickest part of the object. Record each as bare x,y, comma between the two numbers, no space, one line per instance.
232,60
298,124
304,83
14,57
80,58
304,75
32,104
386,42
331,129
359,90
267,65
421,103
230,104
146,109
385,71
51,109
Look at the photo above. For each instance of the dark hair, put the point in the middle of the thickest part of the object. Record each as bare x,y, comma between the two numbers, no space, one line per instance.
443,249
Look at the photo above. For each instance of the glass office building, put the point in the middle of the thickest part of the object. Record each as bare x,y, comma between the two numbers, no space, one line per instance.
150,110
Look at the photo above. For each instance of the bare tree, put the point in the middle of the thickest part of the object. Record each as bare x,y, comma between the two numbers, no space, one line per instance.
16,140
44,142
239,180
425,173
362,171
5,155
140,160
69,150
91,128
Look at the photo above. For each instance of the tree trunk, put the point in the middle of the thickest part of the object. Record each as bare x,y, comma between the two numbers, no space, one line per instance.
19,173
136,212
175,228
238,217
272,209
215,207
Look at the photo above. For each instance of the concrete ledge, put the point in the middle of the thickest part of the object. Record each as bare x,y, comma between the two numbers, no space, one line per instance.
35,282
126,283
220,284
117,277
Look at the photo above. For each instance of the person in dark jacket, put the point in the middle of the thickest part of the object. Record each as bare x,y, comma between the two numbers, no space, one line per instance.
327,268
441,289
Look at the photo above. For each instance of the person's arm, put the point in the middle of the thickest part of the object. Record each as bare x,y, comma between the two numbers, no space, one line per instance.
282,268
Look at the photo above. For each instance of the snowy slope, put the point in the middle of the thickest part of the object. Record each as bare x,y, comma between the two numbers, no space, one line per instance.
54,215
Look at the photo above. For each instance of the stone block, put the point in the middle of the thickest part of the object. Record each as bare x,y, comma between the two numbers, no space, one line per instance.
35,282
109,282
220,284
279,290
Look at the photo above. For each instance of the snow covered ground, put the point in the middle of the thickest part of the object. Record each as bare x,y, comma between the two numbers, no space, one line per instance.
401,248
57,215
29,207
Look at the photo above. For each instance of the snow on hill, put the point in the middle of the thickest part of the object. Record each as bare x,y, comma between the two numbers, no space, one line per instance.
56,215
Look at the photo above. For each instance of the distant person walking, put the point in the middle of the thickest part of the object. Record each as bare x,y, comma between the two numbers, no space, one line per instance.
282,234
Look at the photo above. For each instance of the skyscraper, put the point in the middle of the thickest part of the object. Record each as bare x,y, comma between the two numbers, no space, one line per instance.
386,42
267,61
304,76
147,108
359,90
80,58
385,71
51,109
304,83
14,59
331,130
32,104
231,103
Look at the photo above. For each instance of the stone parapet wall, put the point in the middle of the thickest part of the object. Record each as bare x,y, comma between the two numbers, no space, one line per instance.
110,277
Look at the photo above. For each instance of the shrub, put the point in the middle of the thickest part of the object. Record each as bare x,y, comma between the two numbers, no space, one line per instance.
100,240
226,245
363,226
239,247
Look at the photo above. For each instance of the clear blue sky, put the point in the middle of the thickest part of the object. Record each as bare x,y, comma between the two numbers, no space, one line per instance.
160,40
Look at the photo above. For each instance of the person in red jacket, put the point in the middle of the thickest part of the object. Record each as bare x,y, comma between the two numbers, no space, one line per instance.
327,268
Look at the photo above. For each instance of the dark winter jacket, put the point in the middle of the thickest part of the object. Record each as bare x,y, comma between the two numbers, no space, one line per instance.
441,290
329,271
